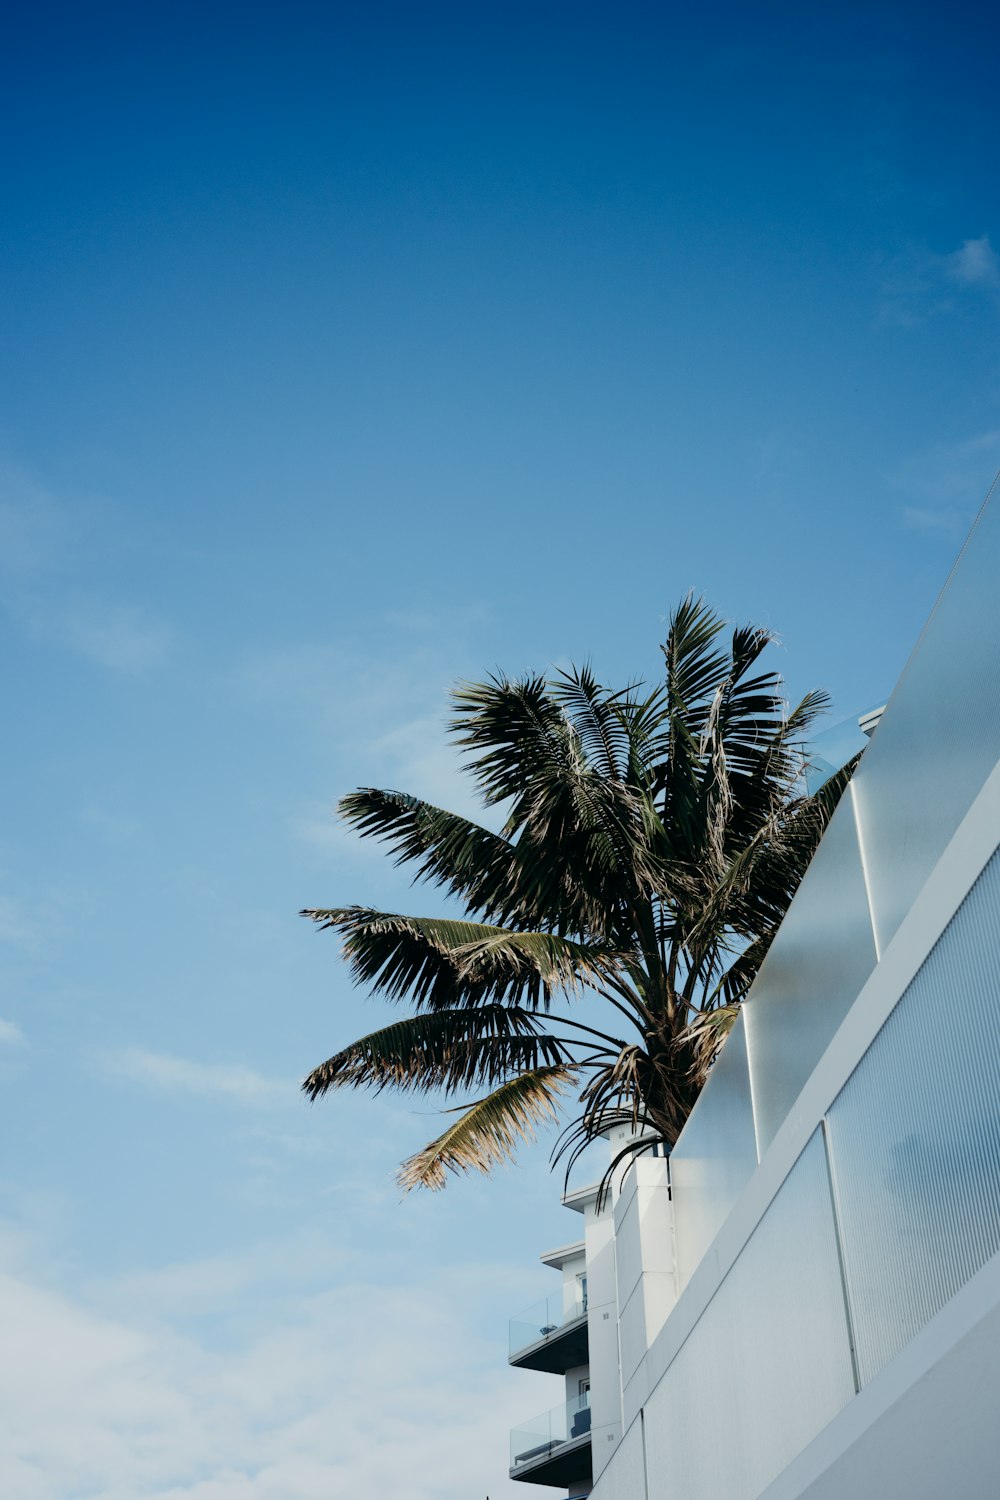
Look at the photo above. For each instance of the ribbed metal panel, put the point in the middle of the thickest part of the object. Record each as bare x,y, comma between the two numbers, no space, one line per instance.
939,737
915,1138
820,959
714,1155
767,1365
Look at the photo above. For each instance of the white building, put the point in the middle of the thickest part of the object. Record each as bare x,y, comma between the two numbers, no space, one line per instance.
804,1302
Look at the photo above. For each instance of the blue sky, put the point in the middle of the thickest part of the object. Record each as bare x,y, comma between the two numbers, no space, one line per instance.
348,352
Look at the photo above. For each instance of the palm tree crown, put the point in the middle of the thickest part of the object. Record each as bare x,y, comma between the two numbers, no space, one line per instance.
652,842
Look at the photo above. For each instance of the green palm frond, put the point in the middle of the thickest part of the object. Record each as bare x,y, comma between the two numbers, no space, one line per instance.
489,1131
399,956
523,748
464,859
597,719
515,736
801,718
779,866
440,963
448,1050
653,839
769,756
534,964
694,667
533,883
732,985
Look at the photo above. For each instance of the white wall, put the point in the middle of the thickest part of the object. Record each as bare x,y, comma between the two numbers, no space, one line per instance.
602,1332
646,1278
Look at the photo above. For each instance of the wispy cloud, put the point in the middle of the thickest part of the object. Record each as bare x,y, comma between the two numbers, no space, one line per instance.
381,706
321,829
423,759
11,1034
50,556
168,1074
976,264
117,636
417,757
18,926
280,1387
110,826
919,283
394,669
944,485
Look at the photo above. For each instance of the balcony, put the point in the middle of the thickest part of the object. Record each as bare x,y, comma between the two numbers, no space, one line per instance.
554,1448
550,1336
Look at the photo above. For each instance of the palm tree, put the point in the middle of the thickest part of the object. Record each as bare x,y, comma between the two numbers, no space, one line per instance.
651,844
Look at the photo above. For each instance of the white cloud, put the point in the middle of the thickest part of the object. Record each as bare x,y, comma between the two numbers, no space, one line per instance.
181,1075
919,283
366,1389
11,1034
975,264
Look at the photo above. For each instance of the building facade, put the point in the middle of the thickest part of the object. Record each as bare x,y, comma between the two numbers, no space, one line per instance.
803,1303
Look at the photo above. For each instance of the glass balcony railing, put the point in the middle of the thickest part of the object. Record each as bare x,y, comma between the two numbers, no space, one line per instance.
544,1320
543,1436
